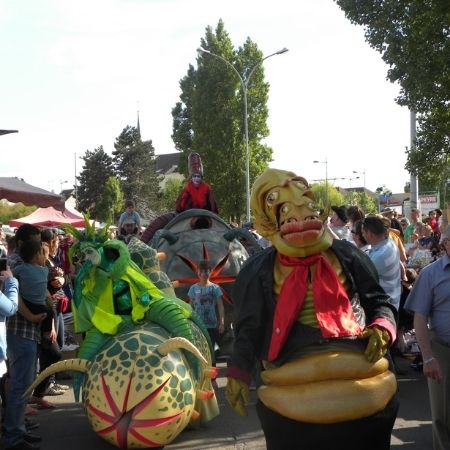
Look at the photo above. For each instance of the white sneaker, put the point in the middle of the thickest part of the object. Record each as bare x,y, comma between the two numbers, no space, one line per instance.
69,348
52,390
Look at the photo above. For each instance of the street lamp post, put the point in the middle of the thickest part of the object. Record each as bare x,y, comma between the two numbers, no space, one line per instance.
326,180
244,85
61,183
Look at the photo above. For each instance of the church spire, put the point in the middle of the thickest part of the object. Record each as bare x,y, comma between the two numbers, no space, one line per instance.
138,125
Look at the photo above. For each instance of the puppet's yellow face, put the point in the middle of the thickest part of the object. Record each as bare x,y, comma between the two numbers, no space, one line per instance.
286,214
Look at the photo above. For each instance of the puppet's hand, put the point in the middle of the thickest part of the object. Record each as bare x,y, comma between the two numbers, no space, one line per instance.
378,343
238,395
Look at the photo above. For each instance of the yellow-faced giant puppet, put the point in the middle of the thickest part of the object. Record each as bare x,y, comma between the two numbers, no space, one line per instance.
311,312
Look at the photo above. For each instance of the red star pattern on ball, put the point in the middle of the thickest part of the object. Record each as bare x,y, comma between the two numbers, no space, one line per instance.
123,422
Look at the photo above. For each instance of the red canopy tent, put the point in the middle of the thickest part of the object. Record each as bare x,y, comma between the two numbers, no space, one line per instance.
50,217
16,190
72,212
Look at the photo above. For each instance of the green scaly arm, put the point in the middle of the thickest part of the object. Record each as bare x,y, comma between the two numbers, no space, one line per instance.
174,315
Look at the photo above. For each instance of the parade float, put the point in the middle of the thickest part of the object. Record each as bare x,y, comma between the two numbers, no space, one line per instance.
195,235
145,365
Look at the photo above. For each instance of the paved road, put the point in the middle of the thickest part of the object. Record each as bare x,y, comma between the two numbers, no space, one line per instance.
66,427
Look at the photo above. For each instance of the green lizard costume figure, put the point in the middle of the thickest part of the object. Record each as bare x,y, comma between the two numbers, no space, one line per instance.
111,291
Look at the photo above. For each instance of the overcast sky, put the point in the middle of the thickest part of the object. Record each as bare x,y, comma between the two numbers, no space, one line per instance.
74,75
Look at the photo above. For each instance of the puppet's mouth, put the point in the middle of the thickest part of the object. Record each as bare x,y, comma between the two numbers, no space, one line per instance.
303,231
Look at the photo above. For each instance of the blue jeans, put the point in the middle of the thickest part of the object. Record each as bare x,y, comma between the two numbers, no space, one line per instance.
59,326
22,354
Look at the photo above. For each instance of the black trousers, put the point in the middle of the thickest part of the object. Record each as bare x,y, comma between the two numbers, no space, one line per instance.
370,433
49,353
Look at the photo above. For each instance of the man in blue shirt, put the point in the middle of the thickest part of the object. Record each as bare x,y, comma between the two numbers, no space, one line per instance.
430,302
385,256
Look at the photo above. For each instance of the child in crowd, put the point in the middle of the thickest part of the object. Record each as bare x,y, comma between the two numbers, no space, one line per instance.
129,215
205,296
33,278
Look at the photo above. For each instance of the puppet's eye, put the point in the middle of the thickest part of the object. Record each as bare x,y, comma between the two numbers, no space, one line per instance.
300,183
312,205
272,197
284,209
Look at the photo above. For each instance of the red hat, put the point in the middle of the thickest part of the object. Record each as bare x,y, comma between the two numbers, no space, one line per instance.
195,164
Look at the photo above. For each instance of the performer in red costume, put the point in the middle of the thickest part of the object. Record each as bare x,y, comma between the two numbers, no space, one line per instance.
197,193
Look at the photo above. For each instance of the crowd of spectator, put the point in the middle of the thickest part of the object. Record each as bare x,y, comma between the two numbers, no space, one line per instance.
412,258
35,293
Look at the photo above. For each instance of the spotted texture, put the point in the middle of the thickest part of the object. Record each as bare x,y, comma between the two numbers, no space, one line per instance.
147,259
136,398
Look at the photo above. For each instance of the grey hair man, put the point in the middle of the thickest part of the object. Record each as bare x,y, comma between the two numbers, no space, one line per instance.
430,302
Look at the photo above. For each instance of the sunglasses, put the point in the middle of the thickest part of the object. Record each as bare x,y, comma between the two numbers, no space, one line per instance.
196,176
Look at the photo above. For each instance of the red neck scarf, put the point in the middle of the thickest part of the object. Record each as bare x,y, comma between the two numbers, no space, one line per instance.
333,309
199,195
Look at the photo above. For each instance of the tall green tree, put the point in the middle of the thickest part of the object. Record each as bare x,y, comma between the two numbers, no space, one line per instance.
111,203
413,37
327,195
97,168
209,118
367,203
134,162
